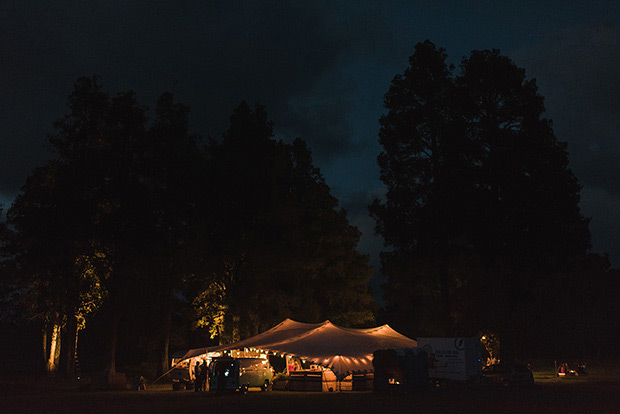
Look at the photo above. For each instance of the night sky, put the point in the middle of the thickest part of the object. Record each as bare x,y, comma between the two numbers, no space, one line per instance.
321,68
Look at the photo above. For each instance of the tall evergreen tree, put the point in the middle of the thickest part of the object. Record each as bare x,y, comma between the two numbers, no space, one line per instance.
58,268
285,248
246,228
479,193
173,170
102,143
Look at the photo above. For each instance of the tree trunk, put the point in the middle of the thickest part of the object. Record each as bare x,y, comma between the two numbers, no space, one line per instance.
506,345
166,325
58,347
235,328
52,361
44,334
444,286
69,346
506,334
110,364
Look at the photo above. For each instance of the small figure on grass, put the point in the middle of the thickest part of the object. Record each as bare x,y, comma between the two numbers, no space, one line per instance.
139,384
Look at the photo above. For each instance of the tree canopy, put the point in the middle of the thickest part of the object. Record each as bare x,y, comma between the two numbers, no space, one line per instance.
151,231
285,249
479,194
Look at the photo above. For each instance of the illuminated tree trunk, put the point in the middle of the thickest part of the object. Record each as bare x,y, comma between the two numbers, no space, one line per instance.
58,347
52,361
45,328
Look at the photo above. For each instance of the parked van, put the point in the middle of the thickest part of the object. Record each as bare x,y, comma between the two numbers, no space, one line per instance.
231,374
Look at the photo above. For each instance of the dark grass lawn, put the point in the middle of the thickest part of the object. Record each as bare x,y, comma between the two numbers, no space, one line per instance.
592,394
556,397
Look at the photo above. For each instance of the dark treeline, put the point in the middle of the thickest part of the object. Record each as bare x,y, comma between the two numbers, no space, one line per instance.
142,239
482,214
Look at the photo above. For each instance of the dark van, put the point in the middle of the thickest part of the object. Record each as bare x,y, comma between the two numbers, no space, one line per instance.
231,374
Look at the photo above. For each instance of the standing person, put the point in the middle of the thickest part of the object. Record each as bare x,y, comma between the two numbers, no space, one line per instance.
197,376
208,379
204,374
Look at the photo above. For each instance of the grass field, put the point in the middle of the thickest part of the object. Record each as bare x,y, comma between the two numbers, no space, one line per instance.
597,393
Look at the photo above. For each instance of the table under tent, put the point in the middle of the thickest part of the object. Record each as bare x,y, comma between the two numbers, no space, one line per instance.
317,357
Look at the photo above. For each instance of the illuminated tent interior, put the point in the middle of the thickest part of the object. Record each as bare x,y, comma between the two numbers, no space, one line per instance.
343,350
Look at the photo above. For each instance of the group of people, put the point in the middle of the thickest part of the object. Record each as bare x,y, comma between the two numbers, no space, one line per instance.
564,370
201,376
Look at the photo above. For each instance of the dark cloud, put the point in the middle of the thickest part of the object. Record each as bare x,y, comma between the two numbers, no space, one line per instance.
321,69
320,116
578,72
213,55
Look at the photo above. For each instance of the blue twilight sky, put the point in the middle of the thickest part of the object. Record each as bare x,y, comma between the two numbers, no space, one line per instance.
320,67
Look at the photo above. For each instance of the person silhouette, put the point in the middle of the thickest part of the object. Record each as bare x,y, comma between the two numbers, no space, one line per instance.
202,378
197,376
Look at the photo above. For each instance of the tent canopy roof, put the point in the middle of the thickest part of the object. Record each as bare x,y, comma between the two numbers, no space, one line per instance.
343,350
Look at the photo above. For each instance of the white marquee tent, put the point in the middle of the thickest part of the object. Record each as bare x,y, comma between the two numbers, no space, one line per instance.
343,350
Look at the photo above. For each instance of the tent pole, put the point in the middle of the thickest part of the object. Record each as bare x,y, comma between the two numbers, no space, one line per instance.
165,373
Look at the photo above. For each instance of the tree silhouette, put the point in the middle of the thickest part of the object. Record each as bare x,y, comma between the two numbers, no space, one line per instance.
479,192
284,248
173,172
58,268
103,140
144,225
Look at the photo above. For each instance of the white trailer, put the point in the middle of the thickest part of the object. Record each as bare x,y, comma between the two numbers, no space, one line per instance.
456,359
